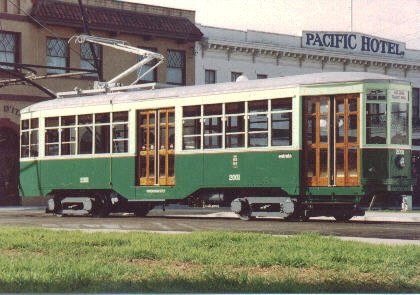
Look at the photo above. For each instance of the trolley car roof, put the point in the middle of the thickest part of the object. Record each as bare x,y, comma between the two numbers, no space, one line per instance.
198,90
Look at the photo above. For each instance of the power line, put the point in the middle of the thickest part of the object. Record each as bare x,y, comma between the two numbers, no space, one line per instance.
40,24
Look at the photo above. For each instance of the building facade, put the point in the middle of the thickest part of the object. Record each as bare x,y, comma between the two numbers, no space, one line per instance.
37,33
223,55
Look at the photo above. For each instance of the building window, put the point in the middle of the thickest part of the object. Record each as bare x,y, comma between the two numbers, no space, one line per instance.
29,138
262,76
8,48
416,116
234,76
87,61
175,73
57,55
150,76
210,77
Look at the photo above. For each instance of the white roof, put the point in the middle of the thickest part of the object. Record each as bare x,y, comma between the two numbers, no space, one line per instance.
191,91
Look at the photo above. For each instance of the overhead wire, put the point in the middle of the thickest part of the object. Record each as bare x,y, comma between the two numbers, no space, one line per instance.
40,24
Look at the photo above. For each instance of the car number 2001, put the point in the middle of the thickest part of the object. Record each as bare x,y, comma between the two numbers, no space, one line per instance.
234,177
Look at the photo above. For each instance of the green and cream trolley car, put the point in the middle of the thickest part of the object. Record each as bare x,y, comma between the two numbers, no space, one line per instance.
295,147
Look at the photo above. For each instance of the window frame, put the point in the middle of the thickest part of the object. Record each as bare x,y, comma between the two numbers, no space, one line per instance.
183,68
16,52
149,65
91,61
244,113
210,76
235,75
66,58
29,132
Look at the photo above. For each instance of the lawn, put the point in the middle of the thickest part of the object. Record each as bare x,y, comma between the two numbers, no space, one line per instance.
40,261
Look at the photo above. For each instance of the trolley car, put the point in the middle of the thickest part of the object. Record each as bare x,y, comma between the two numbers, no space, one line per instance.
293,147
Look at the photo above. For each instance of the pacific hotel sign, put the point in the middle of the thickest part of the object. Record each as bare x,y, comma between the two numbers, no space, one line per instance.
352,42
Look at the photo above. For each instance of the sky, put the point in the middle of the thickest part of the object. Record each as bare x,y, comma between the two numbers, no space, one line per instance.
393,19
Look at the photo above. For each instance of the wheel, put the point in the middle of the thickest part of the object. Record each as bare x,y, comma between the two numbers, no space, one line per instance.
141,211
101,206
343,217
245,213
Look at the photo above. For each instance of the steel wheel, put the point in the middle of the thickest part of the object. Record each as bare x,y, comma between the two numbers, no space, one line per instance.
101,206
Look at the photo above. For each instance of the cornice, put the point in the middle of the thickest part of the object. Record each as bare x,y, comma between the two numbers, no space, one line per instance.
303,54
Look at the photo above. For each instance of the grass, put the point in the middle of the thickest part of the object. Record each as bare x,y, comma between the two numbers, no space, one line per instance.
42,261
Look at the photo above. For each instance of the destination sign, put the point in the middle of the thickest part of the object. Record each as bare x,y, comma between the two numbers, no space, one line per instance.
352,42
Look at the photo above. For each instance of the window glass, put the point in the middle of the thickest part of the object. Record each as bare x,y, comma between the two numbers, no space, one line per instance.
210,77
102,118
192,111
29,138
191,128
234,76
212,109
57,55
235,108
8,48
87,61
257,122
151,75
281,129
52,122
213,142
257,139
235,124
85,119
281,104
120,117
85,143
102,140
416,116
120,138
376,94
257,106
376,123
213,125
399,123
175,70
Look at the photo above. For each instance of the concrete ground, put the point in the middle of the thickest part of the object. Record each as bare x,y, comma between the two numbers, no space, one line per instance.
384,216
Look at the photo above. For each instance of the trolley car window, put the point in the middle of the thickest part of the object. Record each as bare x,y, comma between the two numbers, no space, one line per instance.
213,127
68,135
235,125
120,132
257,123
29,138
281,122
376,123
399,123
191,127
102,133
52,136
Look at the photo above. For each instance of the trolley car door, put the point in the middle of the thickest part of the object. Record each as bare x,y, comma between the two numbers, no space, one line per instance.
331,140
156,142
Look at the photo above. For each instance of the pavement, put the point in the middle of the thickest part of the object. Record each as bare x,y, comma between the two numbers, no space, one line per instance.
379,216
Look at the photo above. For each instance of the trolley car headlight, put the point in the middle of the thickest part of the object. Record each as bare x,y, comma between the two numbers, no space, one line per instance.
400,161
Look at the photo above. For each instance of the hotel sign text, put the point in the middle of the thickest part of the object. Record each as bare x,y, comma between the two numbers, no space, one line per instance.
352,42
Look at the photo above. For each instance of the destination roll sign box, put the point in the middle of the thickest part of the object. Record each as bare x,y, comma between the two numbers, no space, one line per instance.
352,42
